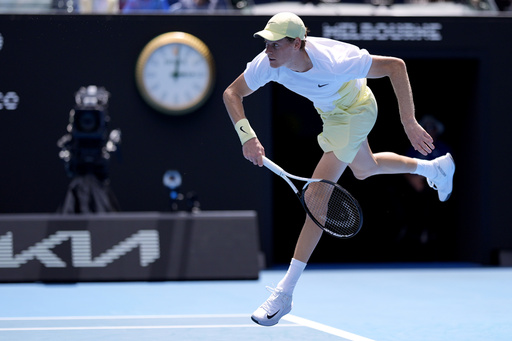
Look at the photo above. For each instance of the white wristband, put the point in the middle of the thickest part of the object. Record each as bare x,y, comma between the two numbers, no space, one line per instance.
244,130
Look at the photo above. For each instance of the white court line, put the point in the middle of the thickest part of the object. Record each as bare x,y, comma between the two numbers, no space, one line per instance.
130,317
198,326
120,317
298,322
322,327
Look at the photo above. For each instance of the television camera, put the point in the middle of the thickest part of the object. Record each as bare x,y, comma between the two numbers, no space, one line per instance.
86,148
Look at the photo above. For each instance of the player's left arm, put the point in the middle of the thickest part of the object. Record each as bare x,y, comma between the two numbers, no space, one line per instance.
396,70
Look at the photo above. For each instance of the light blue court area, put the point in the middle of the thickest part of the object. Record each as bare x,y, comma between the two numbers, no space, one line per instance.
386,303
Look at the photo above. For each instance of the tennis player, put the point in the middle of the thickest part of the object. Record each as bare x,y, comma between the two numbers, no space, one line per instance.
332,75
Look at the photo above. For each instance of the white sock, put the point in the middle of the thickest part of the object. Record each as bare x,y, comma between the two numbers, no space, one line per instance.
425,168
287,284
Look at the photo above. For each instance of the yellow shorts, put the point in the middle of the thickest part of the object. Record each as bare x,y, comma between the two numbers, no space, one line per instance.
346,128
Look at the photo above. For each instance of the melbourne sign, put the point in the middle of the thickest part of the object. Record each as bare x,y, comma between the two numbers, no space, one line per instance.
382,31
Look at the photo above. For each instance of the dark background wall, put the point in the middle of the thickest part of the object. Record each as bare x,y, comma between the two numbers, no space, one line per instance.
461,78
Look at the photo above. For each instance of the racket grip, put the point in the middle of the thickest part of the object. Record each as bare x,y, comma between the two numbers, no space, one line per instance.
272,166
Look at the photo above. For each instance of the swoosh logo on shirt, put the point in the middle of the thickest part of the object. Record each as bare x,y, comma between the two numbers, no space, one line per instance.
322,85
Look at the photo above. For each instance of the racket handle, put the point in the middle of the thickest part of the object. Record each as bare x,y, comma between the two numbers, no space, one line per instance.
279,171
272,166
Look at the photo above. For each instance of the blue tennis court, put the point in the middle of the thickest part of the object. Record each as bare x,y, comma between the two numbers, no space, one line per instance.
386,302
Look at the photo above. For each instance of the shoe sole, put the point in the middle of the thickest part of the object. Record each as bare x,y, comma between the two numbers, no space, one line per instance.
449,194
256,321
264,325
270,325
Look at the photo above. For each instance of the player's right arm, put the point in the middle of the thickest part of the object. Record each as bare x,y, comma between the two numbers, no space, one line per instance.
233,100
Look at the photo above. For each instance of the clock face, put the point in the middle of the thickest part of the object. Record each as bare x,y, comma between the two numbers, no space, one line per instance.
175,73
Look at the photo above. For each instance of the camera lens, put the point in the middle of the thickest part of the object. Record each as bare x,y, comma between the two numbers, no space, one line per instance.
87,121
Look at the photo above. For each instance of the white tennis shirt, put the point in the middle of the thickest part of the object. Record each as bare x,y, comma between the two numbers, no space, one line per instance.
334,64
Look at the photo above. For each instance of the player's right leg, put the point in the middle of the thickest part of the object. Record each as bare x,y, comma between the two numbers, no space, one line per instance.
439,172
367,164
443,181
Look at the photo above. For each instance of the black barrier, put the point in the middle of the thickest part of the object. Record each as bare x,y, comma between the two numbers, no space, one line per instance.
129,246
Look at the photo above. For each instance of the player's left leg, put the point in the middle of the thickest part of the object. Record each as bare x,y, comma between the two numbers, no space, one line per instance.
328,168
280,302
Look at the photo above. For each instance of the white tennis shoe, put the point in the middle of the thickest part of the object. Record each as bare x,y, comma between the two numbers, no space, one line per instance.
443,182
270,312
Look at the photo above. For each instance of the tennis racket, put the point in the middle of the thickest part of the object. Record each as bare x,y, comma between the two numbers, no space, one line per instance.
328,204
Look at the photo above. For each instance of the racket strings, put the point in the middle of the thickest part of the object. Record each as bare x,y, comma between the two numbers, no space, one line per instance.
333,208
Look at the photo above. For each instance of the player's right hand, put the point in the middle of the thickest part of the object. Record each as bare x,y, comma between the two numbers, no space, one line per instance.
253,151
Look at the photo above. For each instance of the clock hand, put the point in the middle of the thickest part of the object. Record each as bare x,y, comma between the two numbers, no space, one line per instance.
189,74
186,74
176,73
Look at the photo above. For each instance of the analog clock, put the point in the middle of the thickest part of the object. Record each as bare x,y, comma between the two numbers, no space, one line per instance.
175,73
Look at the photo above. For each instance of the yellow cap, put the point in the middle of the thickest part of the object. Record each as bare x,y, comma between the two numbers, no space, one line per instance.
284,24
